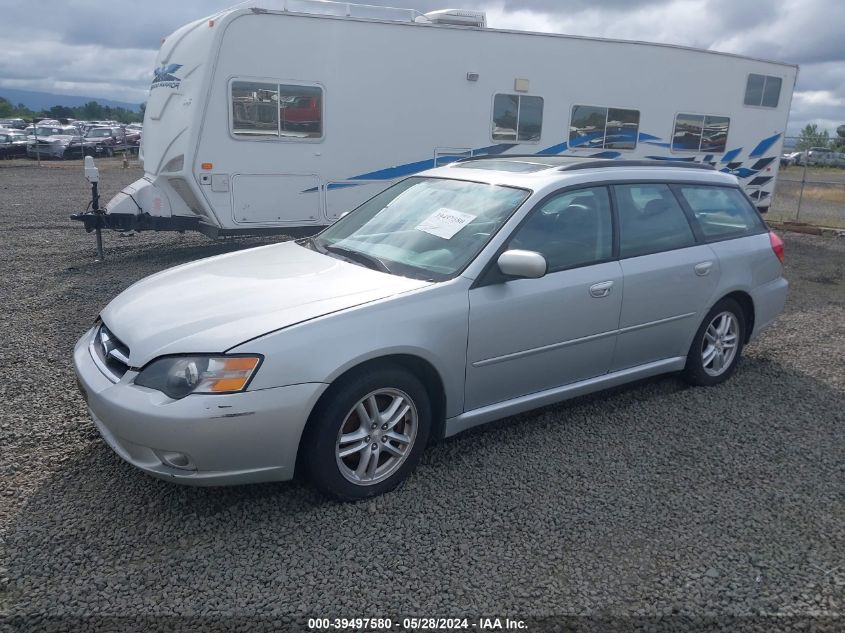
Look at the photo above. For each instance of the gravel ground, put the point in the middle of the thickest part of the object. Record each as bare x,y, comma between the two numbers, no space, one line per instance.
652,500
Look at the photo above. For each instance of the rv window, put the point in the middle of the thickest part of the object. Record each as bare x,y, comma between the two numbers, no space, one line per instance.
255,108
300,111
596,127
517,118
270,109
771,92
763,90
700,133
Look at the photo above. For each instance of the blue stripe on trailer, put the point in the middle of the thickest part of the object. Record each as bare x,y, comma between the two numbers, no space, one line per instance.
729,156
554,149
742,172
763,145
398,171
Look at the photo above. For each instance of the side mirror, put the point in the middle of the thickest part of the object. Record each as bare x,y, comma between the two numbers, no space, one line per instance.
522,264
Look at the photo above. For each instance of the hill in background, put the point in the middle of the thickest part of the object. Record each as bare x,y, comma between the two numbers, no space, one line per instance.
38,101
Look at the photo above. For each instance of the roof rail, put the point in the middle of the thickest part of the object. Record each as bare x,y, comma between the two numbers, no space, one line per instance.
333,8
539,158
564,162
598,163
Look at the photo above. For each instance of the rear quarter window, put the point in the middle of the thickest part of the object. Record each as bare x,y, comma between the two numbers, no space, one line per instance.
721,212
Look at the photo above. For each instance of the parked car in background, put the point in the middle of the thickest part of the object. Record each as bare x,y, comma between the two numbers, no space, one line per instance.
789,159
455,297
12,124
824,157
112,138
12,143
55,141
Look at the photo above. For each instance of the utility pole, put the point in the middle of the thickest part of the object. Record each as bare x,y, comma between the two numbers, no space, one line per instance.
35,132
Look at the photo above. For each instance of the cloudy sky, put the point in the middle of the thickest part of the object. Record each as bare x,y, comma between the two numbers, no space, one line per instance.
106,48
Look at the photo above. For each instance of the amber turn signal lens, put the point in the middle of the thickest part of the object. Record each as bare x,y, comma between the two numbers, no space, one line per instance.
240,364
228,384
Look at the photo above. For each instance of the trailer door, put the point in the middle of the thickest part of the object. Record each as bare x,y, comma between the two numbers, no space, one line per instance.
275,198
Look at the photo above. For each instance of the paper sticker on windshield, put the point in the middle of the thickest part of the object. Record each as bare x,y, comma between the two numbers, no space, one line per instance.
445,222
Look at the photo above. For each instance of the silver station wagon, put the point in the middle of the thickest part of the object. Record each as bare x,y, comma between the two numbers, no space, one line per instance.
458,296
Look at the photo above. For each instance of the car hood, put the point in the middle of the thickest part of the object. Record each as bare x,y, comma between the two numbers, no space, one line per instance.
214,304
56,138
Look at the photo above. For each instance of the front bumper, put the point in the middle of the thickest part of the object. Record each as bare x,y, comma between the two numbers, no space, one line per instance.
46,151
219,439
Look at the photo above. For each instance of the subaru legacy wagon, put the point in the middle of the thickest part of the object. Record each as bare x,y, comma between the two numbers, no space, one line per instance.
458,296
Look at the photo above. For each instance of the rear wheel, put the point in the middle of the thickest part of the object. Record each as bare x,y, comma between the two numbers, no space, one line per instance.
368,434
717,345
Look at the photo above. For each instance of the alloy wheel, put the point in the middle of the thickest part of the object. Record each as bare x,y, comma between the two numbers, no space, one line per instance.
719,345
376,436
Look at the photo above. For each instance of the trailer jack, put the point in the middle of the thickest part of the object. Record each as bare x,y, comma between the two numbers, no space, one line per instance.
95,216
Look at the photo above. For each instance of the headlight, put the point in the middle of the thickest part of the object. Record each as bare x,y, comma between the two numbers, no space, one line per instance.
179,376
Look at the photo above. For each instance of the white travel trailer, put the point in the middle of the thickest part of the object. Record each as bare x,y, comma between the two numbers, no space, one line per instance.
279,115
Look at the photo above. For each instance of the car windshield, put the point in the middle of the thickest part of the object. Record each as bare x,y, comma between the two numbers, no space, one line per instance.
99,133
425,228
47,131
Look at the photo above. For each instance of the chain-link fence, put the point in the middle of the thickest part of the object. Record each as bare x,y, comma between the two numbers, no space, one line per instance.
810,187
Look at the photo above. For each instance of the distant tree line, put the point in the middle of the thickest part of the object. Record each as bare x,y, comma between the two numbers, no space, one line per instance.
91,111
812,136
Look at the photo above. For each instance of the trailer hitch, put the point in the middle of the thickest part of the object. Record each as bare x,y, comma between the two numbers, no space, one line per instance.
96,219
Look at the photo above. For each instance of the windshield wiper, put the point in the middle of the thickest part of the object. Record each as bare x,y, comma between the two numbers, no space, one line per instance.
310,242
368,260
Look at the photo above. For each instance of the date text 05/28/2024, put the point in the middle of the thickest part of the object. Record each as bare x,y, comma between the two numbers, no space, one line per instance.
417,624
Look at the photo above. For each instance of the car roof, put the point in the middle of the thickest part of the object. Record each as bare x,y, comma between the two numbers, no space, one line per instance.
541,173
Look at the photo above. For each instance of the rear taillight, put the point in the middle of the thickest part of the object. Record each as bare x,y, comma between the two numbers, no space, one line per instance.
777,245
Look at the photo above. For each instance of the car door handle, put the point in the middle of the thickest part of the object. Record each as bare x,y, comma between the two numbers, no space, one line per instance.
600,290
703,268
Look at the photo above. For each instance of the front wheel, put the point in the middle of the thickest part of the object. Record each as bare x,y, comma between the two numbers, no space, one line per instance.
368,434
717,346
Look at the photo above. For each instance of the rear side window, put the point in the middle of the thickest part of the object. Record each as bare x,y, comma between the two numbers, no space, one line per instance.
721,212
569,230
517,118
650,220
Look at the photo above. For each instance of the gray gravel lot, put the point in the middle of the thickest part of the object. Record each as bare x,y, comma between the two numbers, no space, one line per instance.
651,500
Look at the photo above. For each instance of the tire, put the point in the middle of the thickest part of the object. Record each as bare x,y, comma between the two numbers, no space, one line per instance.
322,449
709,343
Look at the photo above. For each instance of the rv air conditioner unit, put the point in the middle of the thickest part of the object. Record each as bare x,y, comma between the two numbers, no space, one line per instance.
457,17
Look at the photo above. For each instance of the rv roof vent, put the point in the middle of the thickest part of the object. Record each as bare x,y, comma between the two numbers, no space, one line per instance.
458,17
